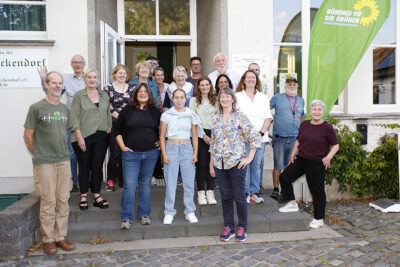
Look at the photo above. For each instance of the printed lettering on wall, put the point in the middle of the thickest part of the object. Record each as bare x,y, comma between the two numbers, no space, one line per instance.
19,67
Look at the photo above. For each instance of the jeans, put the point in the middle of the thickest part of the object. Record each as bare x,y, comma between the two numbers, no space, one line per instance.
231,185
315,176
282,150
180,156
137,168
254,170
91,161
74,160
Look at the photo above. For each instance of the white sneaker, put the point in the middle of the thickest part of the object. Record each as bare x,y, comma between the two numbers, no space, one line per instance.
191,218
153,181
125,225
168,219
316,223
248,199
256,199
201,197
289,207
211,197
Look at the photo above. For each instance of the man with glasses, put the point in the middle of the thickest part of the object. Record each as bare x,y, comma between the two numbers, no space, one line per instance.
195,66
72,84
289,114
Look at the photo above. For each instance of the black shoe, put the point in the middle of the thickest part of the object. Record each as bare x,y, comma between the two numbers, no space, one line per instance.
261,190
276,195
75,188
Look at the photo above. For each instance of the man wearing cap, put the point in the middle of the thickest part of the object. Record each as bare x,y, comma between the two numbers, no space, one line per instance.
289,113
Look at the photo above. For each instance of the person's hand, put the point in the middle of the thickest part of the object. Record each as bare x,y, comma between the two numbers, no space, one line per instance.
206,139
109,130
126,149
82,145
158,144
42,70
212,172
194,158
244,162
166,160
327,162
291,161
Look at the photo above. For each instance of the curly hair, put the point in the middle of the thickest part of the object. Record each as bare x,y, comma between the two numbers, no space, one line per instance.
198,95
134,102
241,86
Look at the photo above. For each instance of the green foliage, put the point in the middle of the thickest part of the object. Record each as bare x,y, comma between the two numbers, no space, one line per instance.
364,174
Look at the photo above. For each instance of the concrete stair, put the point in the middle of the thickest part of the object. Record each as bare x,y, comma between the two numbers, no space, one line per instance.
97,223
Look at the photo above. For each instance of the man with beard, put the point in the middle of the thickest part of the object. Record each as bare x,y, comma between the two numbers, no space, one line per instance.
222,68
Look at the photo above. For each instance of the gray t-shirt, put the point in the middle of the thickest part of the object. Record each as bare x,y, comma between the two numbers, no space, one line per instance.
49,123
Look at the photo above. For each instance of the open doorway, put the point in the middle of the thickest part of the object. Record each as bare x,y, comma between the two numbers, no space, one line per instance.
169,54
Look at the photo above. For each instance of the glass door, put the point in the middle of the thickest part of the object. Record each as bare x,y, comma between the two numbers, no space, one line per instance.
112,51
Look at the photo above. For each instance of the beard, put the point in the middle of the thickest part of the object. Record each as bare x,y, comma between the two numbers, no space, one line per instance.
222,70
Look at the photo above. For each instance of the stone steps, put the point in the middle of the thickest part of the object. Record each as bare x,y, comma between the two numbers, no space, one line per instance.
97,223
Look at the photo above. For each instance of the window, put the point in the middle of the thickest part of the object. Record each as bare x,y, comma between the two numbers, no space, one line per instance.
157,17
20,16
384,61
287,42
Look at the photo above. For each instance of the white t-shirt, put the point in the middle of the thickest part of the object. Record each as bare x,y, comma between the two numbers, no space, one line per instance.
257,110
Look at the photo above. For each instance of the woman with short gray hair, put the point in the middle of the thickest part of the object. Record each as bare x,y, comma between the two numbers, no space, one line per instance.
315,146
179,74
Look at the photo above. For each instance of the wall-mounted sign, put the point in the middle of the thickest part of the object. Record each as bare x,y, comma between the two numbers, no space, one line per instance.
19,67
241,62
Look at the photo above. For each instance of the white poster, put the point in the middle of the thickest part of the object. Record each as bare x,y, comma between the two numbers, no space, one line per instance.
19,67
241,62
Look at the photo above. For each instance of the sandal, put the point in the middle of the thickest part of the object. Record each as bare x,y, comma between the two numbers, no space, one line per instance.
102,204
83,205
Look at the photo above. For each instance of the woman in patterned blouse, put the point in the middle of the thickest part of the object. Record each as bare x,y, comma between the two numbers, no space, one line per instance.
230,129
119,92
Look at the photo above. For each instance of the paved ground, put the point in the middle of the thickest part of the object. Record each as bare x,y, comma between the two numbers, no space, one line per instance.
370,238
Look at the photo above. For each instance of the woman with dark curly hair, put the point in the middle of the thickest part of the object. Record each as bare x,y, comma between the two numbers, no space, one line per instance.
137,132
222,82
203,104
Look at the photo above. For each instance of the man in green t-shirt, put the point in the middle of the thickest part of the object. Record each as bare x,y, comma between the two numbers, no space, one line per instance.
45,136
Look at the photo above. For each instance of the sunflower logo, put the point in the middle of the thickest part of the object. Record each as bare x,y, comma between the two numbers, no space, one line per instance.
373,8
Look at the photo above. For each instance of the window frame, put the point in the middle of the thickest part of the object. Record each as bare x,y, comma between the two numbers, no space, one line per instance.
24,35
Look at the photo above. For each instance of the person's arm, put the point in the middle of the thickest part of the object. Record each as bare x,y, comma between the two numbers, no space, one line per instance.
246,161
109,119
266,124
195,143
302,118
28,138
327,160
295,150
163,131
75,122
121,144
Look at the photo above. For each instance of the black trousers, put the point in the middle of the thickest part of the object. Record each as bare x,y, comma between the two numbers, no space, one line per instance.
91,161
203,176
114,165
315,175
231,185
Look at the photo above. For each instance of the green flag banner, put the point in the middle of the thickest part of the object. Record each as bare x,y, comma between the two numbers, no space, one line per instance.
341,33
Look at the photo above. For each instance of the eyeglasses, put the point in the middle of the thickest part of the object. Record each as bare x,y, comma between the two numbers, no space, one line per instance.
78,62
223,82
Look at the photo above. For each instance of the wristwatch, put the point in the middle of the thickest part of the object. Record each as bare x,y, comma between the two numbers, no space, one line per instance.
262,134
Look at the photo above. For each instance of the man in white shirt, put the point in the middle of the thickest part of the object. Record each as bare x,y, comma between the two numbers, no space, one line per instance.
222,68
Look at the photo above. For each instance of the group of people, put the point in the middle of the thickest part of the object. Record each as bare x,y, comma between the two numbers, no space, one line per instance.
194,129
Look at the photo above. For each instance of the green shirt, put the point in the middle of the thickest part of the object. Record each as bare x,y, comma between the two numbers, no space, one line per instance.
49,123
205,110
87,117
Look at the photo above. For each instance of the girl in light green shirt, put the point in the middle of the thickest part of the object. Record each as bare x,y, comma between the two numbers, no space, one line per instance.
204,104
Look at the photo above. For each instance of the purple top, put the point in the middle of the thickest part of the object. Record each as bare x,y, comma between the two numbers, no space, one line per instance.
314,140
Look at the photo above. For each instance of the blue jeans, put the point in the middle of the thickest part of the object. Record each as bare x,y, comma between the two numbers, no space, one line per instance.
180,156
231,185
74,160
137,169
282,150
254,170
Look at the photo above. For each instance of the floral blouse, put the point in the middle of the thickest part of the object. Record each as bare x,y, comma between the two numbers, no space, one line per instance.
227,145
118,100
